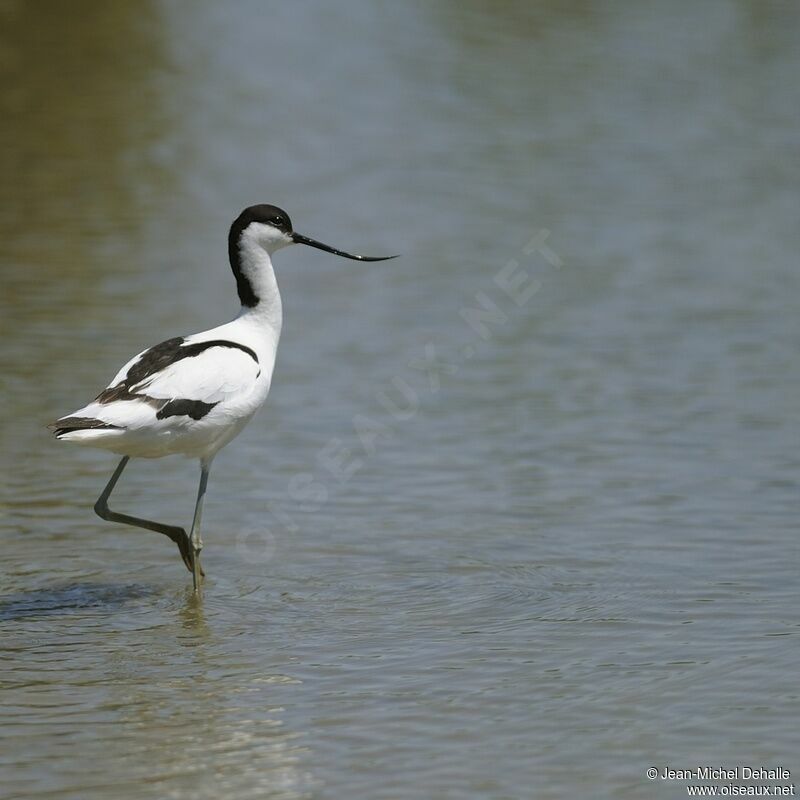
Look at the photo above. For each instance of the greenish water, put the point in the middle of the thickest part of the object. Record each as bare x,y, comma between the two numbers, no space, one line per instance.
551,556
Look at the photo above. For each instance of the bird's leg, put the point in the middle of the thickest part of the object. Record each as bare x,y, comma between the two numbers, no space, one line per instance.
195,539
174,532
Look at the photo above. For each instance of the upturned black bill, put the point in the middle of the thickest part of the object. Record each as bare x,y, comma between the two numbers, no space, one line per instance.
298,238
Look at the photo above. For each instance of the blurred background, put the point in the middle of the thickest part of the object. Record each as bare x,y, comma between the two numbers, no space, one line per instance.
568,556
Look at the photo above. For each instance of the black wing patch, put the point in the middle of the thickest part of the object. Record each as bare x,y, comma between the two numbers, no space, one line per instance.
70,424
155,360
122,392
196,409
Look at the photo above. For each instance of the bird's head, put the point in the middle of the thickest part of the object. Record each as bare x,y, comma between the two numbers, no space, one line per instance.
270,228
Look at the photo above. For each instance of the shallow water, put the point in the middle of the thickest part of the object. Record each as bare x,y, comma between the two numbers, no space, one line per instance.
529,553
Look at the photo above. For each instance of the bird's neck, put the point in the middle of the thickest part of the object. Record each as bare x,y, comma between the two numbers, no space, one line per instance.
256,284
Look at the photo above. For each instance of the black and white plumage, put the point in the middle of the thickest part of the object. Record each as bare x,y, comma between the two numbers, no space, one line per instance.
191,395
185,395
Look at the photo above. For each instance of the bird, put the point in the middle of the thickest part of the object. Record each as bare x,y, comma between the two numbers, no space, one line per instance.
191,395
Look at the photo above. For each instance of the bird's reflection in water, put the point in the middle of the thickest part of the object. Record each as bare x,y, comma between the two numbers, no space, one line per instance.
192,616
223,713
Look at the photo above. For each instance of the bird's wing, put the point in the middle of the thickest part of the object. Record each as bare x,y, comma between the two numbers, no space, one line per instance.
207,370
214,375
178,379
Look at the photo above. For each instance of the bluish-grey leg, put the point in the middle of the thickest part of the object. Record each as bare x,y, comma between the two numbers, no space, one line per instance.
174,532
195,539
